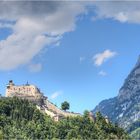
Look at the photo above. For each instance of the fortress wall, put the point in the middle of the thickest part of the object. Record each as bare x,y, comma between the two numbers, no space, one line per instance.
51,114
52,107
24,91
30,90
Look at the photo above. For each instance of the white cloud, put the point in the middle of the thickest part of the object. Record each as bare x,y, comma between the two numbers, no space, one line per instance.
102,73
123,11
35,25
56,94
35,67
20,48
100,58
121,17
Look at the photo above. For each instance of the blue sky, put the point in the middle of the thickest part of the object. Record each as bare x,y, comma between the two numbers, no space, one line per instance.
79,51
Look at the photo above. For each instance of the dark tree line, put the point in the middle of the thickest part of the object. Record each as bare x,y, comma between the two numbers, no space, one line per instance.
19,119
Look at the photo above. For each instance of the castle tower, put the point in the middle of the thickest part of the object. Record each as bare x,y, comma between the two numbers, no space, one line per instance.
8,86
10,83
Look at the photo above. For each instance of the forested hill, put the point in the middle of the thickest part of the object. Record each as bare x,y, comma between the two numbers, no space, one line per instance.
19,119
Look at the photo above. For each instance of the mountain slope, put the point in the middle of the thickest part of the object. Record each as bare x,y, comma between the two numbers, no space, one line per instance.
125,108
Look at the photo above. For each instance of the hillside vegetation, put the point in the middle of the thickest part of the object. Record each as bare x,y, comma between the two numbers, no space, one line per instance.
19,119
134,129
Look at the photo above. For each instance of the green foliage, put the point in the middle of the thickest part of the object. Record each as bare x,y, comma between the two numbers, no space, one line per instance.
86,113
135,134
1,135
134,129
23,121
65,105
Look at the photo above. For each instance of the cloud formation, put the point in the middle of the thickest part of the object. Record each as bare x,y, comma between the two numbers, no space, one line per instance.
102,73
35,25
123,11
56,94
100,58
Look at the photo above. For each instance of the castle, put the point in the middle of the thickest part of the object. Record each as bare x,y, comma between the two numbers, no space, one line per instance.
26,91
32,93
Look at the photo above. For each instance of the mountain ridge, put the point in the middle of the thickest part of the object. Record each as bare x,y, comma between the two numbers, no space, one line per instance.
124,109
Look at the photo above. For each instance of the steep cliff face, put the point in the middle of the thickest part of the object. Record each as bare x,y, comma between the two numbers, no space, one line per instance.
131,86
125,108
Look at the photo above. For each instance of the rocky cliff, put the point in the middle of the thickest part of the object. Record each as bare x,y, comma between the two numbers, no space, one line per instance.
124,108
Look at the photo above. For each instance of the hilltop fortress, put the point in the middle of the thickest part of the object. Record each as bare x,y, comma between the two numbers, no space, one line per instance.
26,91
32,93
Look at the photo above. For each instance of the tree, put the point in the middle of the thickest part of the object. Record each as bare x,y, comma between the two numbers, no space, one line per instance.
24,121
86,113
65,106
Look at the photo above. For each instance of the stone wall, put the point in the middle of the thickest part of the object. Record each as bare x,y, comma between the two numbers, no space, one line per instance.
56,110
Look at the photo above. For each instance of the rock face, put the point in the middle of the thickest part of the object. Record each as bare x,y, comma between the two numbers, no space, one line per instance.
125,108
